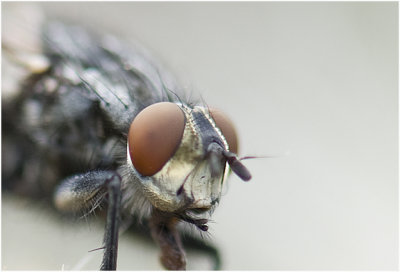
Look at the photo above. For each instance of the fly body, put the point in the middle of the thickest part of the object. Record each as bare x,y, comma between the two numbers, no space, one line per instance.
97,120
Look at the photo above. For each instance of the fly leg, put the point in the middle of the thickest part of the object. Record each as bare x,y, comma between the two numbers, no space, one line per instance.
112,226
190,242
85,192
163,230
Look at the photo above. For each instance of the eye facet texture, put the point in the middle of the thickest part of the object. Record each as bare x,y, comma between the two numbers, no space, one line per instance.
227,128
154,136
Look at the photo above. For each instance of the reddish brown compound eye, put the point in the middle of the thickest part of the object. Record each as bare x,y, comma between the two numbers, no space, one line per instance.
227,128
154,136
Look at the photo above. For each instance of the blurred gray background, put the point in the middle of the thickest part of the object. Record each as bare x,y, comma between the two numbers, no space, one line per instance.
315,85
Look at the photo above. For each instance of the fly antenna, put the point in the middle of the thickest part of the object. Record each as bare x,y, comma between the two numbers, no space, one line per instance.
237,167
259,157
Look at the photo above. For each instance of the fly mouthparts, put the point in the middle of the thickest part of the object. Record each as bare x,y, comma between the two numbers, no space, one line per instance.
237,167
199,223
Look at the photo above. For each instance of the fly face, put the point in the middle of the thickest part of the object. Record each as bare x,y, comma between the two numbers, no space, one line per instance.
178,153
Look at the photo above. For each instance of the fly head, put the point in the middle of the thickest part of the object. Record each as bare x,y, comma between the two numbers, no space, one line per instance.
182,156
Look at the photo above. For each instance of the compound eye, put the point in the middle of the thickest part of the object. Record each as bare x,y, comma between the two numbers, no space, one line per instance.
154,136
227,128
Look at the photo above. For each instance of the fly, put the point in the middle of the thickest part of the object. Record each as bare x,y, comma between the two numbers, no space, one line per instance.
96,121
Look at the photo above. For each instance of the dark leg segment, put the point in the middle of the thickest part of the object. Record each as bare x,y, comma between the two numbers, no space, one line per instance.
85,192
163,230
112,225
